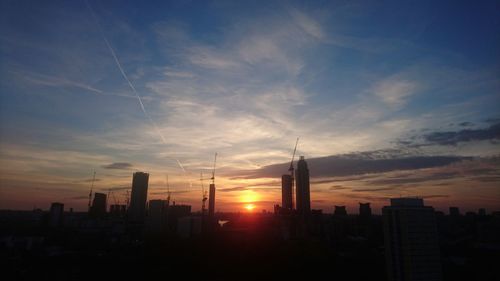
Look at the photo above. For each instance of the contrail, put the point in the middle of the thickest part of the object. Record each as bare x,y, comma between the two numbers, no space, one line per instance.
118,64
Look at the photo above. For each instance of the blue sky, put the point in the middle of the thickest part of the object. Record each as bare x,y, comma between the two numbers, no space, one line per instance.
242,78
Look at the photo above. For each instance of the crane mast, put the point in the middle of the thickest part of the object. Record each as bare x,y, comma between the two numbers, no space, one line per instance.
203,195
213,171
291,169
91,189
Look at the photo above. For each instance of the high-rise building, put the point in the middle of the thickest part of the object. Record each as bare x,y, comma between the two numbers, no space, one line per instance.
411,241
211,201
137,208
303,201
98,208
286,192
364,210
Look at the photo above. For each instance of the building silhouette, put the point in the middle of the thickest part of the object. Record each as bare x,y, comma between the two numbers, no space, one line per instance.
340,211
211,202
157,214
56,214
365,210
117,210
302,195
454,211
137,208
411,241
286,192
98,208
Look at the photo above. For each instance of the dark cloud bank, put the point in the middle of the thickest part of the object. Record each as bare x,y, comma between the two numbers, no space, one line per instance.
356,164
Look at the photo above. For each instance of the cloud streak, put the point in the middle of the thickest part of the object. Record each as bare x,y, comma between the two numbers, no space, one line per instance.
118,166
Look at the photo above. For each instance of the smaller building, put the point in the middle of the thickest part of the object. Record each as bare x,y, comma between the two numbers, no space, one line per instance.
340,211
56,214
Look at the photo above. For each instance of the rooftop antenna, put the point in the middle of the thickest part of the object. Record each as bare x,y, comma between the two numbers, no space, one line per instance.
291,169
213,171
91,189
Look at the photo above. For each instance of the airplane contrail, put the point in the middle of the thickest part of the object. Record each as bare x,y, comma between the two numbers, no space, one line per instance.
118,64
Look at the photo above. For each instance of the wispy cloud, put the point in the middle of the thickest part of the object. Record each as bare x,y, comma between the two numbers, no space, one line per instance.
394,92
118,166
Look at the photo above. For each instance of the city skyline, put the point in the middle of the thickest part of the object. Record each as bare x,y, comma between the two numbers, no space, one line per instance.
388,101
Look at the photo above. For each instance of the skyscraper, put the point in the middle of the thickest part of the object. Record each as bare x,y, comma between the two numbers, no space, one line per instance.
286,192
139,195
211,202
411,241
303,201
98,209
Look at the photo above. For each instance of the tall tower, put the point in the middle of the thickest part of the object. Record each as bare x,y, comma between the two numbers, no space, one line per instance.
286,192
411,241
98,208
137,209
211,201
303,200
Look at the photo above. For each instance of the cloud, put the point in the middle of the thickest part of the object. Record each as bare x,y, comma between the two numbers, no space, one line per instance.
118,166
466,135
394,92
307,24
373,189
453,138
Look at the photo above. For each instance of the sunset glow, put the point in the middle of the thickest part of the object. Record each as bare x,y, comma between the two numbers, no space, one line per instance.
249,207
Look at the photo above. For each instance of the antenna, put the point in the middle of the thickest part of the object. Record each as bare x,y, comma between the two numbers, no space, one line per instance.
168,189
91,189
293,156
291,169
203,195
213,171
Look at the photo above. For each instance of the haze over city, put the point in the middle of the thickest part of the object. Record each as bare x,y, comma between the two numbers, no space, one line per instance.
387,100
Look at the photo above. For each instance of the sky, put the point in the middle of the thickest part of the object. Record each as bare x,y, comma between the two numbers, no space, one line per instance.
388,98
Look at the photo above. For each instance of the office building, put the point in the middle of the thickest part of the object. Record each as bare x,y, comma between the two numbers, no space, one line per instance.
137,208
157,215
286,192
411,241
98,208
302,195
56,214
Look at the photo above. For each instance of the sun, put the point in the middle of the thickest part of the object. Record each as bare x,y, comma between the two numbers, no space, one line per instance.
249,207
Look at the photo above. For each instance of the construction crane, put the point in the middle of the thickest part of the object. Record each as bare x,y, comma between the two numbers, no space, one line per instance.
168,190
213,171
291,169
127,198
117,202
91,189
203,195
